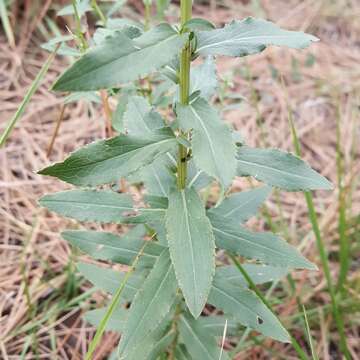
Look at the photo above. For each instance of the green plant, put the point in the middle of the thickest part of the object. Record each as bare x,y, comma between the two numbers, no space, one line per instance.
173,275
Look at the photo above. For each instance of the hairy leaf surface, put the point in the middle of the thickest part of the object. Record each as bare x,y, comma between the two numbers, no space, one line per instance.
89,205
106,161
280,169
212,144
119,59
249,36
192,247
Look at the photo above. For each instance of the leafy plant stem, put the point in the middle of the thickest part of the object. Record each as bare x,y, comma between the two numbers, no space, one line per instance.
98,11
321,247
185,60
79,33
114,303
27,97
253,287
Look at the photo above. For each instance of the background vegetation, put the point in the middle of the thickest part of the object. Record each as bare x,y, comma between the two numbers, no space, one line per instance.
41,295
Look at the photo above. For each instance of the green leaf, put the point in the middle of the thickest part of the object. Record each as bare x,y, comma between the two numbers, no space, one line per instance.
105,161
109,280
259,274
107,246
116,322
90,96
119,59
151,303
140,119
241,206
63,49
280,169
246,307
181,353
212,145
266,247
158,177
198,24
197,340
151,343
90,205
203,78
215,325
249,36
192,247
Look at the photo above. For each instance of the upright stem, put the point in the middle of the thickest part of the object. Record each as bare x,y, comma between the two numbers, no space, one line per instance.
185,60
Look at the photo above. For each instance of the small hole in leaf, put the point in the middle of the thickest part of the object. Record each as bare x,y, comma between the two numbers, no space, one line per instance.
260,320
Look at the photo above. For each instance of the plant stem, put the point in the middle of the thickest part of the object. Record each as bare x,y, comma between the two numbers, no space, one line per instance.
79,33
185,60
147,14
98,11
253,287
321,247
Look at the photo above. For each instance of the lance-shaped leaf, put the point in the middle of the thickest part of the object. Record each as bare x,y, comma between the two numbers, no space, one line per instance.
109,280
158,177
107,246
151,303
119,59
116,322
241,206
199,343
140,119
192,247
90,205
212,145
246,307
215,325
249,36
105,161
259,274
151,344
266,247
280,169
203,78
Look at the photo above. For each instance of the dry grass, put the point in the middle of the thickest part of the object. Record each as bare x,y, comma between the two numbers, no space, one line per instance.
38,314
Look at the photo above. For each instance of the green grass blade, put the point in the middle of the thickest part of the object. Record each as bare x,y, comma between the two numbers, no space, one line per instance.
344,249
311,342
321,248
6,24
114,303
34,86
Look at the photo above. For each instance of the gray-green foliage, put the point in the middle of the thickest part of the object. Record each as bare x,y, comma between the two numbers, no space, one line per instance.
173,246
